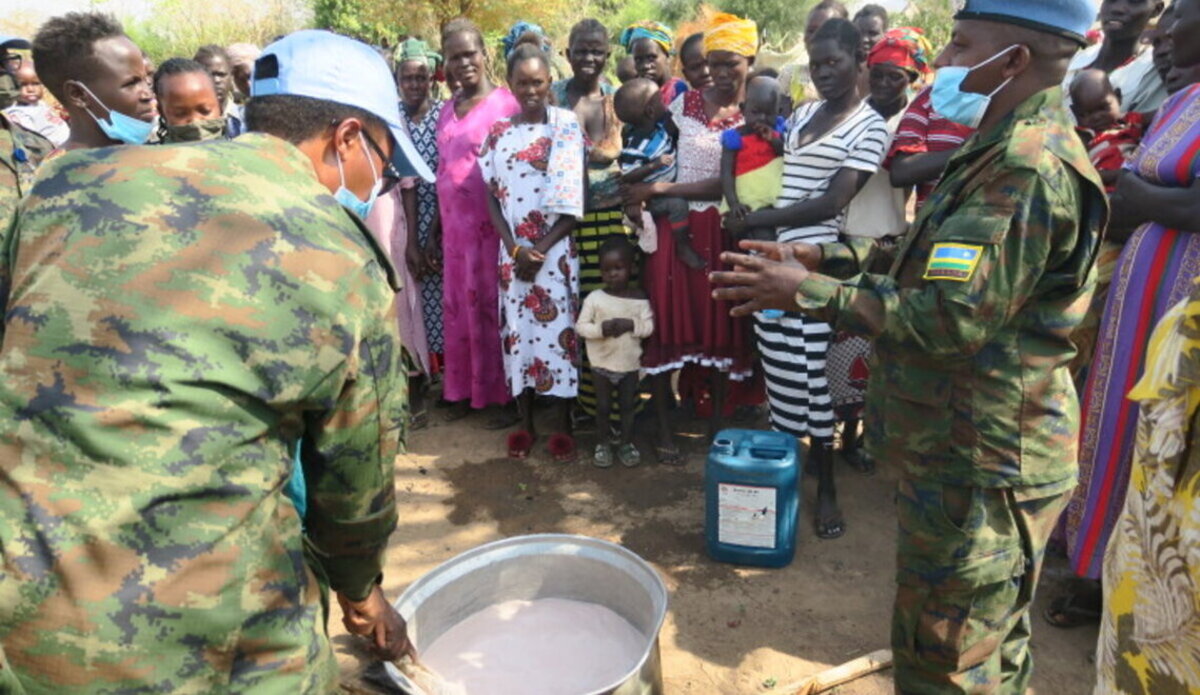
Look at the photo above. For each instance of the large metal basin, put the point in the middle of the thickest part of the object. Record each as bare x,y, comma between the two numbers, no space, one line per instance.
542,566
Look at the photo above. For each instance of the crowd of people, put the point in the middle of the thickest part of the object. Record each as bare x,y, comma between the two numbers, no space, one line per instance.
974,263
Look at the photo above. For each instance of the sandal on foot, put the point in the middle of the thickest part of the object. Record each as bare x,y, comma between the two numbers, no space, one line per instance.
831,528
1069,611
418,420
520,444
562,448
629,456
668,455
603,456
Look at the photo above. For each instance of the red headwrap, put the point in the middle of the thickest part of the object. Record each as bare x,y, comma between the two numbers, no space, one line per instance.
906,48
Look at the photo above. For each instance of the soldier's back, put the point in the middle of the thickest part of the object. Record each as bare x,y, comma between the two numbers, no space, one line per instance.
173,313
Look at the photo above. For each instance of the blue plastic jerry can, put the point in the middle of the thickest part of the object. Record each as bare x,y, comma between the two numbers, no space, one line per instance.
752,498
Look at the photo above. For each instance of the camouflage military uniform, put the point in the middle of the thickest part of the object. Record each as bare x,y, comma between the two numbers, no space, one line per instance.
21,151
970,391
178,316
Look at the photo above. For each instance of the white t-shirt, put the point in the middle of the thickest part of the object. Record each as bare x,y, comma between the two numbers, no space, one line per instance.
878,209
859,142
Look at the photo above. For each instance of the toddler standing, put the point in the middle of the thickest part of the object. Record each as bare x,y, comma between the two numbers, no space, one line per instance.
613,323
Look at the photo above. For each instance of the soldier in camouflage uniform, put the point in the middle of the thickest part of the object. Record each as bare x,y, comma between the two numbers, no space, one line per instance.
972,316
21,150
177,317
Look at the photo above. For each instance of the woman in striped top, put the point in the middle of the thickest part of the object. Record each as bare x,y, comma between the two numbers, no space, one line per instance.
831,148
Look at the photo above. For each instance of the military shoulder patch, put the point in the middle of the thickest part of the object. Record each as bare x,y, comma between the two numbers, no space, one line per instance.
954,262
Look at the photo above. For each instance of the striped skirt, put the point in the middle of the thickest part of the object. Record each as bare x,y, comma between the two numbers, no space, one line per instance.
794,349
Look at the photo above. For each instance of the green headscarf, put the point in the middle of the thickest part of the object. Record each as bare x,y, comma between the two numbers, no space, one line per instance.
418,50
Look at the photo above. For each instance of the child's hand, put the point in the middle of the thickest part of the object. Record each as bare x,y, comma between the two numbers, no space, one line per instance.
614,328
666,160
740,211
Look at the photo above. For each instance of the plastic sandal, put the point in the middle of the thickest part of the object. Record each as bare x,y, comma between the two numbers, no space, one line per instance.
603,456
629,456
520,444
562,448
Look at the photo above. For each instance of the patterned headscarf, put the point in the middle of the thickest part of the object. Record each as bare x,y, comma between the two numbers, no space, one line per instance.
727,32
418,50
520,29
648,29
906,48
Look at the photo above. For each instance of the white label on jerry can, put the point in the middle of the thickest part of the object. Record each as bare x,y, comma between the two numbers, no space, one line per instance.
746,515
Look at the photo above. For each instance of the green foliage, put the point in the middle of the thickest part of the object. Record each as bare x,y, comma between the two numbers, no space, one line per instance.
178,27
936,18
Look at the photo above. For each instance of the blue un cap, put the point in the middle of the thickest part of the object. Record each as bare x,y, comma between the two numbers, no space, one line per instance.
1069,18
323,65
14,42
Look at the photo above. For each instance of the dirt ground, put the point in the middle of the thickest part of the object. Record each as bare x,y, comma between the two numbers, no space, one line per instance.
730,629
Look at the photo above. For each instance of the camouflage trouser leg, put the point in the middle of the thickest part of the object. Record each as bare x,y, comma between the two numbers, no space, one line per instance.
967,565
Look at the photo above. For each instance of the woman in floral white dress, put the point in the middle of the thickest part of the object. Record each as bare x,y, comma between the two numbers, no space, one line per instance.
533,165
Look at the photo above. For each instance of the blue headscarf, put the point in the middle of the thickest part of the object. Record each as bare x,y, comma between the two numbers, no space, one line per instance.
647,29
520,29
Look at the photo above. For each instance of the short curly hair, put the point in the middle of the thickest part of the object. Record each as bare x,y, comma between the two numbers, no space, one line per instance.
64,47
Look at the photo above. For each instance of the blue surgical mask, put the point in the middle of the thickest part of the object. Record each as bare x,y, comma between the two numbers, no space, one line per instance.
964,108
362,208
119,127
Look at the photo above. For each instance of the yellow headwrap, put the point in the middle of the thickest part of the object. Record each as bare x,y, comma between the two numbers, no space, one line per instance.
727,32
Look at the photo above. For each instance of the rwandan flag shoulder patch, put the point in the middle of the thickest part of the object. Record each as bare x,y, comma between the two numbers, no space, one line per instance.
955,262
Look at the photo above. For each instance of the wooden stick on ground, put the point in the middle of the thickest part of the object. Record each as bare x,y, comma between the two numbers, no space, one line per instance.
840,675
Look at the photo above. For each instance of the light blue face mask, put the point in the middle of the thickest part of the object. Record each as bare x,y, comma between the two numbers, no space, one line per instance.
964,108
119,127
362,208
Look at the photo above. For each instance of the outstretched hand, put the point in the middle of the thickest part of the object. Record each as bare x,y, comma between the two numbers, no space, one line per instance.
807,255
757,283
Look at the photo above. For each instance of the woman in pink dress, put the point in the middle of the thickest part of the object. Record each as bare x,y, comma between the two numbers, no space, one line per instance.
474,368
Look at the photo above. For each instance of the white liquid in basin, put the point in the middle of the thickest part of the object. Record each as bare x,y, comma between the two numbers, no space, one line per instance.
544,647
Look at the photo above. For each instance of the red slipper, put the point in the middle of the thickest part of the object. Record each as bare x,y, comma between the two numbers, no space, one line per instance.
520,443
562,448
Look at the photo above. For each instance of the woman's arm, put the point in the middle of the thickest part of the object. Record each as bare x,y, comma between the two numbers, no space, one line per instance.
1137,201
845,185
433,245
708,189
497,214
918,168
559,231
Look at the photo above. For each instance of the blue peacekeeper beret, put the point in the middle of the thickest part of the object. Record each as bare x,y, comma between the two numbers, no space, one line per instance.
1069,18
